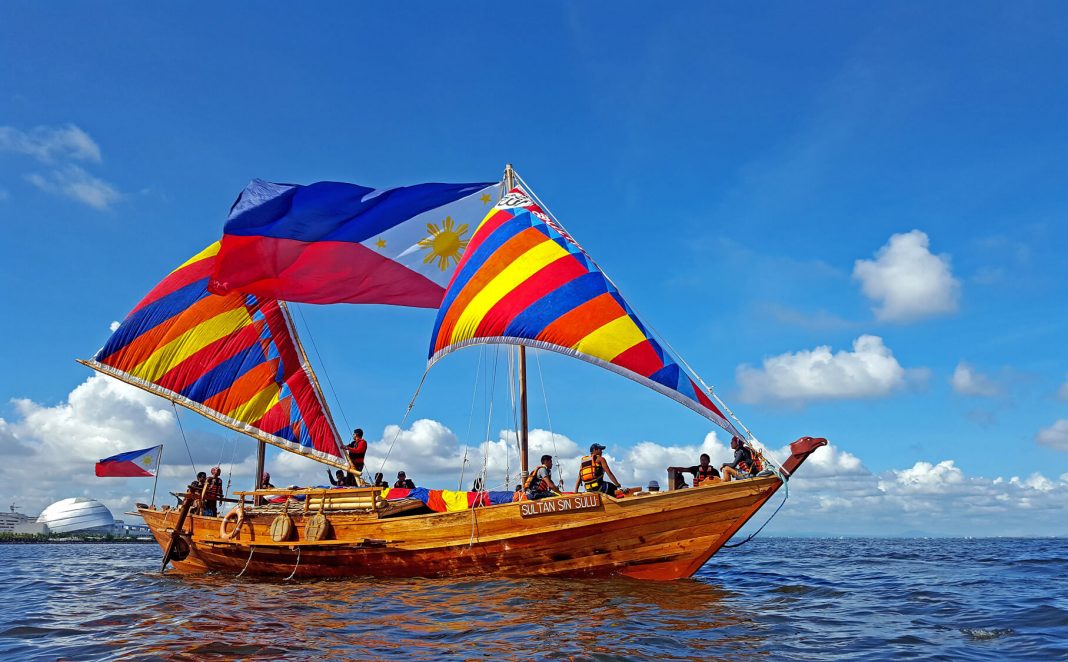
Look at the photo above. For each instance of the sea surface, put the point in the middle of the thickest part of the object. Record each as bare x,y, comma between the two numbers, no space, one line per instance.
772,599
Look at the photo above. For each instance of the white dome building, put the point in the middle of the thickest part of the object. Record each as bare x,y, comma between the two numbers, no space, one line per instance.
76,514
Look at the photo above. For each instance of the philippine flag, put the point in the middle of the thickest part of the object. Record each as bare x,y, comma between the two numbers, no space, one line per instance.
132,464
332,242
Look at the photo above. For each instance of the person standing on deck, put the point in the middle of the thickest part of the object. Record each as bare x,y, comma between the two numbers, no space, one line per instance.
212,493
196,489
357,450
592,472
539,483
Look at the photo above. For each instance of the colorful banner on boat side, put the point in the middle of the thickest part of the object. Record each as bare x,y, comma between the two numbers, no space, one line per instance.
441,501
131,464
332,242
525,281
233,359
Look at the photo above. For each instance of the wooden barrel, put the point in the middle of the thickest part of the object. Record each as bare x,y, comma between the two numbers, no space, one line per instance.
317,528
281,528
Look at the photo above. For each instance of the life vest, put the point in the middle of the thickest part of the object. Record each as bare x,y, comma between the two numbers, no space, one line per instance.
214,490
704,473
541,485
751,464
590,473
357,450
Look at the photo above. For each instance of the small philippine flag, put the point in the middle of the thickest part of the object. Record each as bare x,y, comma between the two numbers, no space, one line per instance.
132,464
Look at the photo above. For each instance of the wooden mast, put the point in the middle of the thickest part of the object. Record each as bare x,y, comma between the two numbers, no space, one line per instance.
524,461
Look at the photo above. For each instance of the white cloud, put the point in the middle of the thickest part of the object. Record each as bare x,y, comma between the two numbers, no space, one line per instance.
869,371
967,381
1054,436
49,143
1062,392
114,326
907,280
74,182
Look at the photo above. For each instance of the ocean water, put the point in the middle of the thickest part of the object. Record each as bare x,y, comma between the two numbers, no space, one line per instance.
772,599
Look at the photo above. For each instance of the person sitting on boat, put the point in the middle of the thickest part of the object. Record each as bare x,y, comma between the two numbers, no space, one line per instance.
212,493
341,478
654,486
539,483
357,450
379,481
519,494
702,473
196,489
403,482
592,472
742,464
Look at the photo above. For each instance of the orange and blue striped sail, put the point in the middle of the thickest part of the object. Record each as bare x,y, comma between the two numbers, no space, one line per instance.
231,358
523,280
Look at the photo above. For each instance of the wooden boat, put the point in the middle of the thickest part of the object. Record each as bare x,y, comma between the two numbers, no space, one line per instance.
355,531
661,536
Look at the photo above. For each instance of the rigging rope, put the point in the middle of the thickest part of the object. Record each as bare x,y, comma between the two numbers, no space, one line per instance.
251,549
549,420
471,416
326,373
294,573
400,427
754,534
184,440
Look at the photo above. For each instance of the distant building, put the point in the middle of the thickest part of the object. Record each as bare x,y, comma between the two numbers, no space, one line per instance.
77,514
11,521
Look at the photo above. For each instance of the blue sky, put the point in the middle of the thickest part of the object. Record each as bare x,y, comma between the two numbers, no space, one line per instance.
760,181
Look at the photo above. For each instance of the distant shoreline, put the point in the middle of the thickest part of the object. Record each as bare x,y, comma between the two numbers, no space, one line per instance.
117,541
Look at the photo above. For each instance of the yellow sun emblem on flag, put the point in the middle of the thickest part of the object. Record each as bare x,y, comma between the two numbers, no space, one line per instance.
444,243
147,461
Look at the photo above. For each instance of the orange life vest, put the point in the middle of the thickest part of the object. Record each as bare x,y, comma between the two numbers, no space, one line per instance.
705,473
541,485
214,489
591,473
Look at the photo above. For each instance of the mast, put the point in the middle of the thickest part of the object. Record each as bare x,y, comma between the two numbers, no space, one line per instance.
524,463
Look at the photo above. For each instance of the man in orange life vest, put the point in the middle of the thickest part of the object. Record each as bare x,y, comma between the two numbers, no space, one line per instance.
357,450
592,471
540,483
702,472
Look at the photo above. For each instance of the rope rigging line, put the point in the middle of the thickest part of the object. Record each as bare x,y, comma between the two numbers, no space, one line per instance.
489,411
404,419
184,440
471,416
660,337
251,549
549,420
294,573
326,373
754,534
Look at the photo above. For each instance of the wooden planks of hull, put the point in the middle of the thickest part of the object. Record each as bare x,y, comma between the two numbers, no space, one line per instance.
661,536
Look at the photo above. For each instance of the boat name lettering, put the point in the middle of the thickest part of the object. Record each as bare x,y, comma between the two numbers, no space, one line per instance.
573,503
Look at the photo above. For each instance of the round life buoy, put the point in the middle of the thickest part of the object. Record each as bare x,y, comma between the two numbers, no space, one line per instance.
239,518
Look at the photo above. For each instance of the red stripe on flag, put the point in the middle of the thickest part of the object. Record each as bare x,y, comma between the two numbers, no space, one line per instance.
124,469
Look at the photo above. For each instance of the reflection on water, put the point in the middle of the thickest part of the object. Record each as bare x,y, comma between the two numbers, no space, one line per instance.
775,599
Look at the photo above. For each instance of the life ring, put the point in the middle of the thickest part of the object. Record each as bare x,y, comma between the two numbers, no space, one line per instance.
239,519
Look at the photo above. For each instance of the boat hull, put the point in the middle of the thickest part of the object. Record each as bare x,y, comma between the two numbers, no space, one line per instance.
662,536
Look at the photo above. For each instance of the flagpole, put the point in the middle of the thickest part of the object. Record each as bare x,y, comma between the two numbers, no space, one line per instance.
159,466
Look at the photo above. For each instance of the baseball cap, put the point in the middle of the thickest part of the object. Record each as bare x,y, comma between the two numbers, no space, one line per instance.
596,447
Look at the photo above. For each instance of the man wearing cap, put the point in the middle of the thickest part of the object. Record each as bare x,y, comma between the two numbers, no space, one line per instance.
403,482
592,471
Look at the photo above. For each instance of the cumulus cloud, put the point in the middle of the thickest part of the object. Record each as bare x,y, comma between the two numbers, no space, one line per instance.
75,183
967,381
869,371
48,144
48,452
1054,436
63,148
907,281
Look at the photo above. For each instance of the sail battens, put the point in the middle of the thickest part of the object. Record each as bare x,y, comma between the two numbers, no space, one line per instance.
525,281
232,358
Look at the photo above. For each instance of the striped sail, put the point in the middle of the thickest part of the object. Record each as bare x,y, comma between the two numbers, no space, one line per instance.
523,280
232,358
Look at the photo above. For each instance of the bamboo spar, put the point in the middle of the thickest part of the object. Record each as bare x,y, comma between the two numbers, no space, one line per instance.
524,460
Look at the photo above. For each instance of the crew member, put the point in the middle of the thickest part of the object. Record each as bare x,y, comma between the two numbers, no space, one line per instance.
403,482
742,464
196,488
592,472
357,450
539,483
379,481
211,494
341,478
702,473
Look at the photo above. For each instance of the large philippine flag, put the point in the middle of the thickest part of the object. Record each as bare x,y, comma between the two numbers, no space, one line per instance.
332,242
132,464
